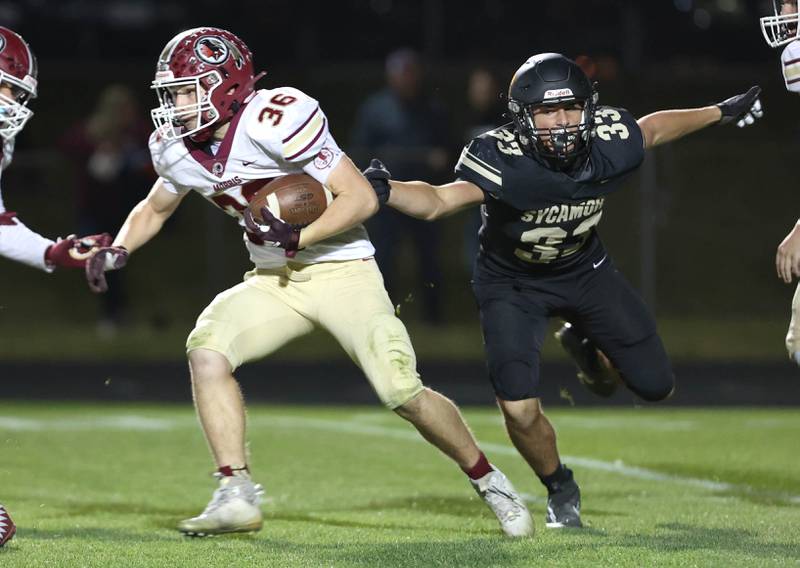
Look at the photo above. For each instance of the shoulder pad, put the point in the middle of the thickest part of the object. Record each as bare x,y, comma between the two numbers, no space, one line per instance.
790,58
480,163
287,122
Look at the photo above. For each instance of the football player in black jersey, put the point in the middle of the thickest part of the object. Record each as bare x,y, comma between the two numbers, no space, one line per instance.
541,181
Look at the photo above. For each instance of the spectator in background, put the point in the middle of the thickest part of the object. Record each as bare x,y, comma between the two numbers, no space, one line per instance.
403,122
112,164
486,110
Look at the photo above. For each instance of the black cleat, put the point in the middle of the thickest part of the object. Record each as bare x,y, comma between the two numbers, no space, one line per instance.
592,373
564,507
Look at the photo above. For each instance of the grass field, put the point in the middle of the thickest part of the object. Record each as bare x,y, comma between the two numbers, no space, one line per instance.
103,485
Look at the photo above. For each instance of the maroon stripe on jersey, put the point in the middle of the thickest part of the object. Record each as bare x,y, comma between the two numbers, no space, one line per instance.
304,150
302,126
8,218
792,62
207,160
793,81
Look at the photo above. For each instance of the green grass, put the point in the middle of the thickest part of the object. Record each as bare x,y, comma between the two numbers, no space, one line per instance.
103,485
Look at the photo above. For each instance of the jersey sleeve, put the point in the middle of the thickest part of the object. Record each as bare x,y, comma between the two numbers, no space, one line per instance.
480,165
293,129
618,146
19,243
790,62
161,163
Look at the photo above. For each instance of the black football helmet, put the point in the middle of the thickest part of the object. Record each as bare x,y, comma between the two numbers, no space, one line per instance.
550,79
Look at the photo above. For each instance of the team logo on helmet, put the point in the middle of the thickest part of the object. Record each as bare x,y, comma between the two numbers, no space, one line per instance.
212,50
2,43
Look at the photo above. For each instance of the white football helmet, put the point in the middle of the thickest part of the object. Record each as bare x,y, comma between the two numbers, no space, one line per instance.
782,27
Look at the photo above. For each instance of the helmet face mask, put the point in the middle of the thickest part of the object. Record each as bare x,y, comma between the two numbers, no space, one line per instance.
218,66
781,28
18,72
173,121
552,80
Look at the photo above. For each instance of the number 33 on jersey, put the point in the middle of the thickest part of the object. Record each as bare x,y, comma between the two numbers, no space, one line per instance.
535,215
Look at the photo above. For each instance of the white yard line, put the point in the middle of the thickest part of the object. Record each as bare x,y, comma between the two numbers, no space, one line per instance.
617,466
360,427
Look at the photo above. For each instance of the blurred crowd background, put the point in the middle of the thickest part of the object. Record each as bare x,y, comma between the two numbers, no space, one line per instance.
695,229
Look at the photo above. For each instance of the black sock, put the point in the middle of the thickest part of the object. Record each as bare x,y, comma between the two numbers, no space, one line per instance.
555,481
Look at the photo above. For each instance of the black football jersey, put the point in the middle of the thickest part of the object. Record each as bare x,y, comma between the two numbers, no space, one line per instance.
535,217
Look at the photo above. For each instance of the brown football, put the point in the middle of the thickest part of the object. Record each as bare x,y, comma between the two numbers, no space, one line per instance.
297,199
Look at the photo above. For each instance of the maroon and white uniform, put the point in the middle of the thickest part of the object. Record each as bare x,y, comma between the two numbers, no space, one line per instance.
277,132
17,241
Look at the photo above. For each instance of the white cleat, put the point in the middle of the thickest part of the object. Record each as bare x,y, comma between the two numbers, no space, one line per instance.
504,501
233,508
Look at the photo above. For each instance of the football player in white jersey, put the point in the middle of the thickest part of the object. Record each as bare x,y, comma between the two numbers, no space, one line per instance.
218,136
18,74
781,29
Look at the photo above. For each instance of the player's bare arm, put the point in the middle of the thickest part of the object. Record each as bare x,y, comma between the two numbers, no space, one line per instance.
420,199
147,217
787,259
355,202
668,125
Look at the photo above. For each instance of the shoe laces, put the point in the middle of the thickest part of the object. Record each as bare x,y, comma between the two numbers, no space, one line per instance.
503,501
235,488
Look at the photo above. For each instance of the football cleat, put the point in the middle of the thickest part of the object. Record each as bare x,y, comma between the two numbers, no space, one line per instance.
7,526
233,508
564,507
497,492
592,372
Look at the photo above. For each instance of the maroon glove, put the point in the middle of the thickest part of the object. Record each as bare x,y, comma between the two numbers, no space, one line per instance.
73,252
273,231
108,258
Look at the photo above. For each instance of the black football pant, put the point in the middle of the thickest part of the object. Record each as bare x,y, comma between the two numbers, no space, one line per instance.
598,301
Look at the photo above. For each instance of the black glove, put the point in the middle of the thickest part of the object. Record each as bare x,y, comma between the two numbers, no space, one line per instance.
742,109
378,177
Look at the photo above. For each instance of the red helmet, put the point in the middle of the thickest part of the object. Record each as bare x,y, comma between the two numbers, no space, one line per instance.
220,68
18,70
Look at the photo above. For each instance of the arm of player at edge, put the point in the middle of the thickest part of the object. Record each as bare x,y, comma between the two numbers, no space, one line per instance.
355,202
667,125
430,202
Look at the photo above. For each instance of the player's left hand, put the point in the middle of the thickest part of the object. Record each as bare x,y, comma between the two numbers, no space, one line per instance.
787,260
273,231
742,109
378,177
73,251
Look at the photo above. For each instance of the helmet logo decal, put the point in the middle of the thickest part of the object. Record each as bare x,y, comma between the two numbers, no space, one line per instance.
2,43
211,50
558,93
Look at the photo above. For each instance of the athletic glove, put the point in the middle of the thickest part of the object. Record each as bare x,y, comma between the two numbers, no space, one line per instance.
273,231
73,252
105,259
378,177
742,109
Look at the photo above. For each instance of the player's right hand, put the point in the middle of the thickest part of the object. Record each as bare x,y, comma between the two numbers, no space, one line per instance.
378,177
105,259
787,260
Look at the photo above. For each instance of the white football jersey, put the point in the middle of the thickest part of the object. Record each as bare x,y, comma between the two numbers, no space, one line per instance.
17,241
279,132
790,60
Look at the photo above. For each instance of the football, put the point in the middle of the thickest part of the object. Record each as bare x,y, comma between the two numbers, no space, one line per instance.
297,199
